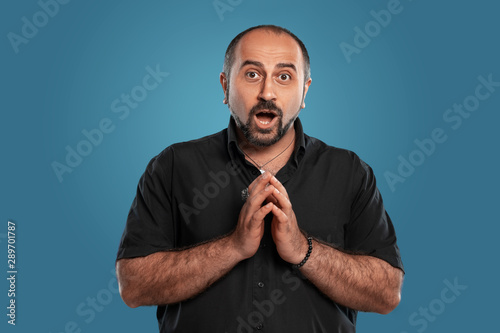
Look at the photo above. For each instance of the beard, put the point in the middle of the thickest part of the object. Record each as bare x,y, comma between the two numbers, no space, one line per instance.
258,136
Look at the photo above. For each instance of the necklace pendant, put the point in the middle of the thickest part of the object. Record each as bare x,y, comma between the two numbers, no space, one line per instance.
261,171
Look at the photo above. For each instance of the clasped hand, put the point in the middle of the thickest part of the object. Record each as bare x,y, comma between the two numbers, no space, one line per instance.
268,195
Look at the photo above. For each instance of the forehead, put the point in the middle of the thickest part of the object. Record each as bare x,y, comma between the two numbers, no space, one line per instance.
268,48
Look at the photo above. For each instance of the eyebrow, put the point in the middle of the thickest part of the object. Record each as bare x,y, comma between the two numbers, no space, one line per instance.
259,64
286,65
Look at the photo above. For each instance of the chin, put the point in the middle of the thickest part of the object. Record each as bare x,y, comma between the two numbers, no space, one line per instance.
262,139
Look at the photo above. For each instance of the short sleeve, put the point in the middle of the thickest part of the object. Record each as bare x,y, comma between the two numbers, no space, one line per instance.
150,226
370,230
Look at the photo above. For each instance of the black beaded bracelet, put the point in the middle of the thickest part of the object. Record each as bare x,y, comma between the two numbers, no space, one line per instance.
309,241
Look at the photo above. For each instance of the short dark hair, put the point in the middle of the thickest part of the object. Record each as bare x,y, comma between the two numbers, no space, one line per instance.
229,57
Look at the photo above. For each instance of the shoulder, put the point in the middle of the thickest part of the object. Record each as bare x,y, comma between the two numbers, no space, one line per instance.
204,146
317,149
344,163
209,141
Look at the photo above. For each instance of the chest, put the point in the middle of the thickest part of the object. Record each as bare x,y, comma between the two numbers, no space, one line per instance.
272,164
208,205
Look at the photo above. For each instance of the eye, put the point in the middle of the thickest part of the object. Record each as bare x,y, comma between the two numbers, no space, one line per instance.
284,77
252,75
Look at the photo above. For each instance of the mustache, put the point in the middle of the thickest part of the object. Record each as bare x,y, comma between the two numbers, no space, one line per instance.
266,105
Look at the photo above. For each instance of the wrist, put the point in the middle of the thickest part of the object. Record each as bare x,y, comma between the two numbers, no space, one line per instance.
305,252
235,248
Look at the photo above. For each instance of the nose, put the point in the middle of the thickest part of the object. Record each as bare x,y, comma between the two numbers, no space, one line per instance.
267,91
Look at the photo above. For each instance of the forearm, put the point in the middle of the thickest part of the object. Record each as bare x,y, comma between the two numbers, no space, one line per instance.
359,282
174,276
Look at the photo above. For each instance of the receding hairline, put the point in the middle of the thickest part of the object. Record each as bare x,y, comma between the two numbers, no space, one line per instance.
236,42
281,64
269,29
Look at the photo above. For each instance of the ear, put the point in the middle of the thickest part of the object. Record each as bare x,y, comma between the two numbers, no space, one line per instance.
223,82
306,88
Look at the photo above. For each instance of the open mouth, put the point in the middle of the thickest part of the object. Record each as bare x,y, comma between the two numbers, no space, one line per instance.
265,117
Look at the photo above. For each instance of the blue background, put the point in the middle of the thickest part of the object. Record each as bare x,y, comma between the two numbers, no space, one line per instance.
394,90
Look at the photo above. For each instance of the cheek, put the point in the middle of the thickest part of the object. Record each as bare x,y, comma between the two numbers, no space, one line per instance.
294,102
241,98
238,104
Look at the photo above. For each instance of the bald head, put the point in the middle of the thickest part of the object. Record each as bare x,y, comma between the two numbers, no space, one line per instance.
230,52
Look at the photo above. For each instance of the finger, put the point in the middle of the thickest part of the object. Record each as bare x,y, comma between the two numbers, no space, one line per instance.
272,199
259,183
281,217
276,183
256,199
262,212
283,203
254,182
283,200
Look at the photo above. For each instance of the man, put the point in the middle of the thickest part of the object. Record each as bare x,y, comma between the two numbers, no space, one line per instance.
260,227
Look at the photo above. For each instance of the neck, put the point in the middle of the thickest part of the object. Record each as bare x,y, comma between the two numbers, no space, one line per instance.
270,158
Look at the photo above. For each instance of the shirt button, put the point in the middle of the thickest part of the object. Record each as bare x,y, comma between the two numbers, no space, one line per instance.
259,326
261,284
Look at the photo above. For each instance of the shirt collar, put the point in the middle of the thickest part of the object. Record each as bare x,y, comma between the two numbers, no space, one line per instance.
300,142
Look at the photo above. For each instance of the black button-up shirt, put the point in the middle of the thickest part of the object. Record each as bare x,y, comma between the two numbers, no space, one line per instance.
192,192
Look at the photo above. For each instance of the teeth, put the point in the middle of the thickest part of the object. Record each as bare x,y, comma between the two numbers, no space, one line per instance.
264,122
